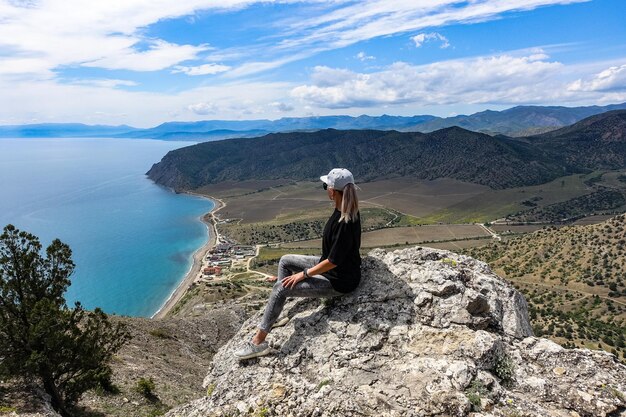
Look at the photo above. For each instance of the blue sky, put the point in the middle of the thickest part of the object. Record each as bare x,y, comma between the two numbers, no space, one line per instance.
144,62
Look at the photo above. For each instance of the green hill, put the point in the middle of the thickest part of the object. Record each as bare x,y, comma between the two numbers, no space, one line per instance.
573,278
498,162
598,142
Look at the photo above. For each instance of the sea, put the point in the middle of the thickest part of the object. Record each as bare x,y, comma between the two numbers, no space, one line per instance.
132,240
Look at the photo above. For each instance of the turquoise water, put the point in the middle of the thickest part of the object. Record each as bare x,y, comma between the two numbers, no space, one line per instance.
132,240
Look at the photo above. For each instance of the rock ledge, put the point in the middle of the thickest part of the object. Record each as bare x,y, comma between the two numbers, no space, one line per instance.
428,333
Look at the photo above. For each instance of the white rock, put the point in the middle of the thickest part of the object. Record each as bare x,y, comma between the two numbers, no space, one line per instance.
411,341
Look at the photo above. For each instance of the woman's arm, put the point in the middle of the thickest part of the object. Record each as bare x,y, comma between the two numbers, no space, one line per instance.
320,268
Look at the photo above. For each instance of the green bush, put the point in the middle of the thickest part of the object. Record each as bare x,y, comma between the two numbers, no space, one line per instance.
504,369
474,394
67,348
145,387
160,333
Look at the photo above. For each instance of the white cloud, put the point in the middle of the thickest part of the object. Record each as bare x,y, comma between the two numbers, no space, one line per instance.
104,34
282,107
160,55
202,108
422,38
363,20
342,23
64,32
107,83
611,79
362,56
25,67
41,37
48,101
206,69
493,79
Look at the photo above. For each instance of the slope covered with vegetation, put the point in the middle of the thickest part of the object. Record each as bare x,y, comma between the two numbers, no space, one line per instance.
498,162
596,143
574,279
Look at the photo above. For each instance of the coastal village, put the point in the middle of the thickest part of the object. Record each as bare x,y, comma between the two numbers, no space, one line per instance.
224,256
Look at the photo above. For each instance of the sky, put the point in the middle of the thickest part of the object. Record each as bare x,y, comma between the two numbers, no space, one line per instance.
145,62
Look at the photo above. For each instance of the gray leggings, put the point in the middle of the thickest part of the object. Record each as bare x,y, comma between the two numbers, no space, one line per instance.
317,286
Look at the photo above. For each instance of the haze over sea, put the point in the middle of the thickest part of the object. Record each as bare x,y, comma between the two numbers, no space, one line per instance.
132,240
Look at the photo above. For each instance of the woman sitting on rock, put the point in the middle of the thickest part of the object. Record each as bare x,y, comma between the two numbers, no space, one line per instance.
337,272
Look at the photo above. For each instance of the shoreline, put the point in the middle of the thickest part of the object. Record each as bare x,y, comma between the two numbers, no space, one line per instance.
181,289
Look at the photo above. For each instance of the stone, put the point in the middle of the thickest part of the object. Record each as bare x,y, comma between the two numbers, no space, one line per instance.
411,341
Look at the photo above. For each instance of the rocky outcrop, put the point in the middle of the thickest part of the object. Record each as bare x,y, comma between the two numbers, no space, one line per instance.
428,332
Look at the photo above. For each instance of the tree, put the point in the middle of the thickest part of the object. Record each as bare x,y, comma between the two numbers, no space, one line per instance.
41,338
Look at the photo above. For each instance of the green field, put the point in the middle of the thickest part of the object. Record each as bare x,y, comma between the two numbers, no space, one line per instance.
395,211
407,235
495,204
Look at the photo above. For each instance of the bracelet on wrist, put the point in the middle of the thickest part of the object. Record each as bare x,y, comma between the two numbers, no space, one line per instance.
306,273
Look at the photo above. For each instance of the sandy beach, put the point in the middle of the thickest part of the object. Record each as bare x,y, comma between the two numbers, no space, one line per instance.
198,256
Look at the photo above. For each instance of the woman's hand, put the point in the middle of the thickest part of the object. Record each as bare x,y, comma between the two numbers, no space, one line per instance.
271,279
292,280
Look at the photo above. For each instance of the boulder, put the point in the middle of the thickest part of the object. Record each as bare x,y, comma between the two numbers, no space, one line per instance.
427,333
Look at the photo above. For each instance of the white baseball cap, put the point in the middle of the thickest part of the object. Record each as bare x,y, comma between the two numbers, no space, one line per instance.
338,178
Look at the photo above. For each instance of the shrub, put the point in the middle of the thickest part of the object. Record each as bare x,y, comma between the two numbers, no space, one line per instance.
160,333
145,387
474,394
67,349
504,369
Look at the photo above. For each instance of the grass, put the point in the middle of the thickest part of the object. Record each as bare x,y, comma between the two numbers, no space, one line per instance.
408,220
408,236
160,333
302,225
323,383
268,253
474,393
494,204
244,276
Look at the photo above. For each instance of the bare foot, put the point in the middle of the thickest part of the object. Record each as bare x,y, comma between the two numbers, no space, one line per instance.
271,279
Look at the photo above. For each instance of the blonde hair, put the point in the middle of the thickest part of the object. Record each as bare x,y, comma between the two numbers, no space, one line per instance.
349,203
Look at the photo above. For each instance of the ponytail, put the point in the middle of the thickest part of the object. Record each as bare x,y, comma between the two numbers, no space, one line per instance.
349,204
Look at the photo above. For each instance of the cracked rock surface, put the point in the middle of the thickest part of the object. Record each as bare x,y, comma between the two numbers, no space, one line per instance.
428,333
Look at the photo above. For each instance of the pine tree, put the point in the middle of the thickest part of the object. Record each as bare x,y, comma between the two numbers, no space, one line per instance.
66,349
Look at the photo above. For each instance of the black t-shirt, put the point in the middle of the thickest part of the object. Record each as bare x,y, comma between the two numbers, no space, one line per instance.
340,245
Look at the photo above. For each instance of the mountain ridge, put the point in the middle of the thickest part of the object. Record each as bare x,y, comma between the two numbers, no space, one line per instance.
453,152
516,121
519,120
371,154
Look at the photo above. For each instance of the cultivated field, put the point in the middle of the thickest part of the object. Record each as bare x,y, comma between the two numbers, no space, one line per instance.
511,228
406,235
419,198
272,211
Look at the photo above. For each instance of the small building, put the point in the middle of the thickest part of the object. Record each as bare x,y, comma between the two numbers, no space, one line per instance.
222,247
212,270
